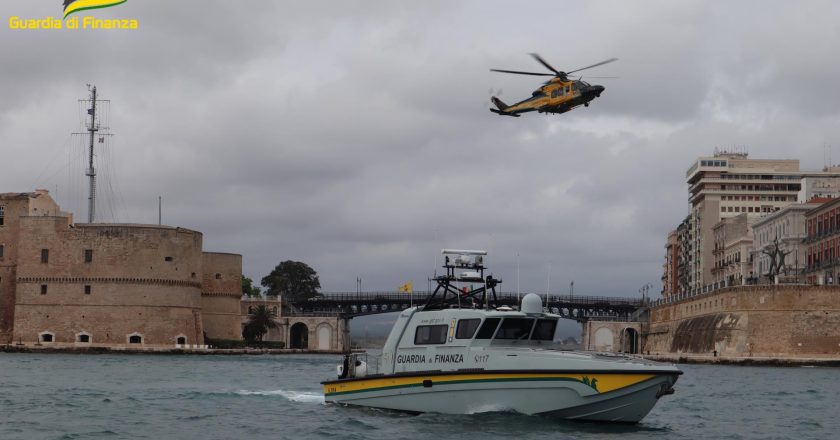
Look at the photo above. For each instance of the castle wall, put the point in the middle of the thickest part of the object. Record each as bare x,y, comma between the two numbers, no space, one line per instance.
139,280
221,292
13,208
764,320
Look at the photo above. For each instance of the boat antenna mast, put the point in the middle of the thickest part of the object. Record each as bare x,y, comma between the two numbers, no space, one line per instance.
464,270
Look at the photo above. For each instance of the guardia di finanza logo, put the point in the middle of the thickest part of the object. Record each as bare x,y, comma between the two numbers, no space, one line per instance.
72,6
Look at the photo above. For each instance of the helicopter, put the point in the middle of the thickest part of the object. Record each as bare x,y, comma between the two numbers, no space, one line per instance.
557,95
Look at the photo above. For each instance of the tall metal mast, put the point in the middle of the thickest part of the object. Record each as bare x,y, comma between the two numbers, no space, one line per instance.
91,171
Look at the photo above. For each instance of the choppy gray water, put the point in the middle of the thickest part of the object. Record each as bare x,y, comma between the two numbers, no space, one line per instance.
64,396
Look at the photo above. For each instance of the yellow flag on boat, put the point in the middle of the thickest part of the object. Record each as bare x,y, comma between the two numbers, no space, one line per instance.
407,287
71,6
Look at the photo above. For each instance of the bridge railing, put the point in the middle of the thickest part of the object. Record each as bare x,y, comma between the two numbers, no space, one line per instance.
506,297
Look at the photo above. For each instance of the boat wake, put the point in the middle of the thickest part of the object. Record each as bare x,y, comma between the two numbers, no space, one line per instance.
294,396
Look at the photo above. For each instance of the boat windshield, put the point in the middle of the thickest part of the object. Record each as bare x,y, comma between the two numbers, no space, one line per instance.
544,331
527,328
515,328
488,328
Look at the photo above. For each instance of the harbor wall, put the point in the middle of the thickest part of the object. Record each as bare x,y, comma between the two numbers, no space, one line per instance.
768,321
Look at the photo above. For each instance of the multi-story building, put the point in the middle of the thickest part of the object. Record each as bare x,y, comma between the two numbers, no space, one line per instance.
820,184
685,240
733,240
787,229
670,269
823,243
729,184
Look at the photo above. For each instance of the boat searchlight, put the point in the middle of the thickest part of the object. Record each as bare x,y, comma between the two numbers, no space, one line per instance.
464,258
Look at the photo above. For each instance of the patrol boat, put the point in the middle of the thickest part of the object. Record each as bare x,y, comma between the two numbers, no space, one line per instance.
461,354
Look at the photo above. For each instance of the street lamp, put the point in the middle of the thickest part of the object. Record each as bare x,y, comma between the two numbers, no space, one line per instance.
644,290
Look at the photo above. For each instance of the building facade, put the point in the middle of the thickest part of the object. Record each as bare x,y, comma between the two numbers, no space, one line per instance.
685,241
64,284
729,184
322,333
732,250
670,269
787,229
823,243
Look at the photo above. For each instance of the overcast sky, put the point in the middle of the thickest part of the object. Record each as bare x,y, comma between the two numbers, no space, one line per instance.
356,136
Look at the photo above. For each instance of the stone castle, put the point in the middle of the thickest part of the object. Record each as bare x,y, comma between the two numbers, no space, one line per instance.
65,284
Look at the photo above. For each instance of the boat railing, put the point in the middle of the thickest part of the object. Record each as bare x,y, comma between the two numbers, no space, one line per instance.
372,364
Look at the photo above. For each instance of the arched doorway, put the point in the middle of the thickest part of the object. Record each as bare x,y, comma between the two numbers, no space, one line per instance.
299,336
630,341
603,339
324,337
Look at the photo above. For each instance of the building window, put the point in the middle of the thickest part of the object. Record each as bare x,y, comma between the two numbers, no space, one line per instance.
135,339
181,340
87,290
43,289
1,251
218,276
88,255
46,337
45,255
84,338
167,258
2,214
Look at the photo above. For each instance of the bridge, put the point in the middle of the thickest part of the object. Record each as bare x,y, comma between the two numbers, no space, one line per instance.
577,307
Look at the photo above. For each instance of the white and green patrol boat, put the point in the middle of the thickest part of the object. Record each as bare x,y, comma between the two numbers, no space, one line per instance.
458,354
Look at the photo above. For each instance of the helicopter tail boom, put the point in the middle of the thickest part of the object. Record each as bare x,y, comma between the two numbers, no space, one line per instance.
501,107
499,104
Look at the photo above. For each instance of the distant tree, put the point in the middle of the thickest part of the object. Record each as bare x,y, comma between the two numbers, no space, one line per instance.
294,280
260,321
249,289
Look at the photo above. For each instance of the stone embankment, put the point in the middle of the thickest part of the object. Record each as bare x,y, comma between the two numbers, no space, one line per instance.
688,358
770,324
208,351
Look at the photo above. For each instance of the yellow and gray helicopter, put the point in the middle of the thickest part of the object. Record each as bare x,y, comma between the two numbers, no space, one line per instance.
558,95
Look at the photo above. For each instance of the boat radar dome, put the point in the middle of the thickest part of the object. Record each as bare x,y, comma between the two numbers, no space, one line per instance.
531,303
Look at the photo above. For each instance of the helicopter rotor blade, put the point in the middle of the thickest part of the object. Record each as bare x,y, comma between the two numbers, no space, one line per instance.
544,63
522,73
594,65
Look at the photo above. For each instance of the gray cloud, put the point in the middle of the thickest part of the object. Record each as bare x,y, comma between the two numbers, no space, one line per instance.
355,136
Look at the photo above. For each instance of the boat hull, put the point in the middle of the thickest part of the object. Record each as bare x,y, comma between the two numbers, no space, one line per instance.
616,397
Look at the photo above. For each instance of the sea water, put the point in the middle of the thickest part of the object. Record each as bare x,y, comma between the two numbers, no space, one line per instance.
71,396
